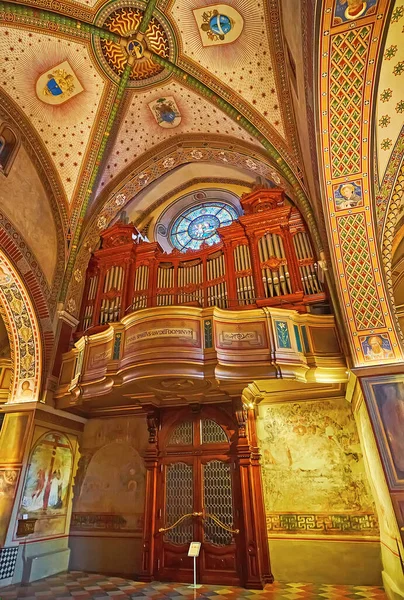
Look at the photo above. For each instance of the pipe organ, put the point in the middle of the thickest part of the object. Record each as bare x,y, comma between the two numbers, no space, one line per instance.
265,258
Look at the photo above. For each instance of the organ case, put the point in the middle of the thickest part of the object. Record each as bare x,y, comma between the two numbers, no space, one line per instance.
265,258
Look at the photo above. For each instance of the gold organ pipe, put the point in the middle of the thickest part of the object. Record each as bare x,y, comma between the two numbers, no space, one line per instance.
284,275
243,265
303,271
236,258
275,274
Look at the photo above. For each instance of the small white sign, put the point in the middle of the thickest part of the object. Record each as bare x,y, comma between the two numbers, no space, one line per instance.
194,549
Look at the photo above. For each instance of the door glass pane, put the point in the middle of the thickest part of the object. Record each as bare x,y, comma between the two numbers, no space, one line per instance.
217,493
179,502
212,433
183,435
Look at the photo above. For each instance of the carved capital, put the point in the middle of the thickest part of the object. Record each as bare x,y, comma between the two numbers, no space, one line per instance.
152,426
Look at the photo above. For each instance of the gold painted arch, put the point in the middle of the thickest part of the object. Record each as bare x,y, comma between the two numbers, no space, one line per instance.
25,334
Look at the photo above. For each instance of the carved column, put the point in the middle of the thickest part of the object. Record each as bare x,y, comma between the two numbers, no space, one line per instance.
151,463
257,568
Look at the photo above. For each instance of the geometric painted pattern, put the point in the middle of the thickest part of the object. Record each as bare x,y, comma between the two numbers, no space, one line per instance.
24,332
349,56
359,272
8,558
88,586
347,85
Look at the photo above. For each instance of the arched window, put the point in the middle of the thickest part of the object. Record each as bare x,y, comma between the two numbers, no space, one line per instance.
199,224
9,144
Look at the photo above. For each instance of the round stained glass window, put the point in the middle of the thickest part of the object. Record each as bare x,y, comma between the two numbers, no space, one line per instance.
199,224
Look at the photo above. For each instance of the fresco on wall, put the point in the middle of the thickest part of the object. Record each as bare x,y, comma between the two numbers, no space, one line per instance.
8,485
313,470
385,399
47,484
109,488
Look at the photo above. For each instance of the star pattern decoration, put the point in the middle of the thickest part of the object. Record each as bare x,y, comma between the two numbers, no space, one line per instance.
398,12
399,68
384,120
400,106
390,52
386,95
386,144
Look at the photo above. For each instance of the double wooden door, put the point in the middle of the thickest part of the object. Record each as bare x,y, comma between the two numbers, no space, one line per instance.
198,499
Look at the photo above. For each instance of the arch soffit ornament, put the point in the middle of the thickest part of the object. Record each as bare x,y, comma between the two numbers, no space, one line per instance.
20,255
365,304
178,151
394,203
4,317
25,334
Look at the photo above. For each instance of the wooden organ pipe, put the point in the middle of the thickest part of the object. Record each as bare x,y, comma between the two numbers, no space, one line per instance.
308,272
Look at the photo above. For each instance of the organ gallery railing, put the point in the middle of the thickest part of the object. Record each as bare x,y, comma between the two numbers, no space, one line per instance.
265,258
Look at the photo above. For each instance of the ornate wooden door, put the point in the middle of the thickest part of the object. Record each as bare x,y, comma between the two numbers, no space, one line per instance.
198,500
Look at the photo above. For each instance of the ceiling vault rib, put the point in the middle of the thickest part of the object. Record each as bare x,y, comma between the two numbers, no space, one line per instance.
148,13
112,117
45,18
77,233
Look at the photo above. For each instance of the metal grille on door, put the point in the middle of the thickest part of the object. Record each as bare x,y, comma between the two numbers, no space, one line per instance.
179,501
217,491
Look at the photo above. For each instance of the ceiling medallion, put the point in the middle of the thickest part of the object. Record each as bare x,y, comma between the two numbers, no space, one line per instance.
125,19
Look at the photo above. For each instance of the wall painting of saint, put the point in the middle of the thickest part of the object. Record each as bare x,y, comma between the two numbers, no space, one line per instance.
47,484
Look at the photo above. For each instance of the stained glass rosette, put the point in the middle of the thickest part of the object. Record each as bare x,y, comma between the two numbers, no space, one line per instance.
199,224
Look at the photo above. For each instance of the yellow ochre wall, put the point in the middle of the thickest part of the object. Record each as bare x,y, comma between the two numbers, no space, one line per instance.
320,513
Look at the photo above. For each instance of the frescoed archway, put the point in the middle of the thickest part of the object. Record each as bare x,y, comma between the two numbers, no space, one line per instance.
25,334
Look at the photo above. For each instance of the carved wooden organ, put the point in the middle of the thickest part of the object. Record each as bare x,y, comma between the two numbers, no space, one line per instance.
265,258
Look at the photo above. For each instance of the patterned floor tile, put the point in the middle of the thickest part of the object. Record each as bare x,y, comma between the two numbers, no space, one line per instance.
89,586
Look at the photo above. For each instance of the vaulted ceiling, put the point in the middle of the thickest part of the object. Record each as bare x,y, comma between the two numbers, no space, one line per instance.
92,80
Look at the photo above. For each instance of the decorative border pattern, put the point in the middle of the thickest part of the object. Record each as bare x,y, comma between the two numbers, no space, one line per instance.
22,258
25,333
362,39
362,524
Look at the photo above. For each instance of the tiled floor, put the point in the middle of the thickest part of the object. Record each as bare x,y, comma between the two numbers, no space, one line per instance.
82,586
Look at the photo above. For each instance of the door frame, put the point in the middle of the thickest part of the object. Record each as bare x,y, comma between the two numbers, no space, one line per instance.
239,424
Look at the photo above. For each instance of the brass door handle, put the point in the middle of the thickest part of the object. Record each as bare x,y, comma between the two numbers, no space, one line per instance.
218,522
194,514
